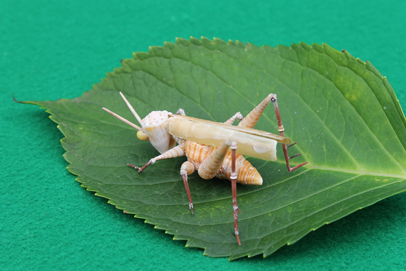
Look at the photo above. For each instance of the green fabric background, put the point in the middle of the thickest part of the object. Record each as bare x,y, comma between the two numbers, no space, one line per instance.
51,50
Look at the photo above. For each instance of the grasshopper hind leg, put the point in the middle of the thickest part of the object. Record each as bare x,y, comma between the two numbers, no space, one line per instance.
210,167
281,130
252,118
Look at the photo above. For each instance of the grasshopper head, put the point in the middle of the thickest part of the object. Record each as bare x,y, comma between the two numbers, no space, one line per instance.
153,129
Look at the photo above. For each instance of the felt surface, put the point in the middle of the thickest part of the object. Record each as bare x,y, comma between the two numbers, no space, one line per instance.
51,50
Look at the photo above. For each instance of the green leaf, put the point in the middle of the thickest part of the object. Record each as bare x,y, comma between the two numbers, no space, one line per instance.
341,111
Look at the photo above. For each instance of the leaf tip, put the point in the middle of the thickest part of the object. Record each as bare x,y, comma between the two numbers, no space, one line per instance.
15,100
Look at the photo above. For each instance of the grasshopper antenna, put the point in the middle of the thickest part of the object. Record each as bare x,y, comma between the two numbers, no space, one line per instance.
123,119
132,109
281,130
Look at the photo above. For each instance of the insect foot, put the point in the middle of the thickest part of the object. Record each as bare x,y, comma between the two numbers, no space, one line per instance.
152,161
135,167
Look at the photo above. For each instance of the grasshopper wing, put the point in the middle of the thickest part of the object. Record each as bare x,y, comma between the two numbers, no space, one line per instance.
251,142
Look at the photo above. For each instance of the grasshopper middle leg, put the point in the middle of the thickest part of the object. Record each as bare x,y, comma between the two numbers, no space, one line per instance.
174,152
187,168
233,178
233,118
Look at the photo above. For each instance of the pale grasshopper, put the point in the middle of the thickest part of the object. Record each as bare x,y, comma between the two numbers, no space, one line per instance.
206,143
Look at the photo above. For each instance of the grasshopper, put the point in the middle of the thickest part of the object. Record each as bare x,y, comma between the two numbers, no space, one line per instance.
206,145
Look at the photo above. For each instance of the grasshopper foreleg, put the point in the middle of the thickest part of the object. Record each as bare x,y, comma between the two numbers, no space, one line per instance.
174,152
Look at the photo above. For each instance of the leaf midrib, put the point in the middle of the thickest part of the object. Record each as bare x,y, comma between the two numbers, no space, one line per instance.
308,166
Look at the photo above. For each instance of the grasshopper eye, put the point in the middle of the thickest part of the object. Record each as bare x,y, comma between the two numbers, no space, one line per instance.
141,135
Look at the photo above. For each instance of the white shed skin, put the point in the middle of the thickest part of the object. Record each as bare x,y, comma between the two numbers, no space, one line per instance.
251,142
